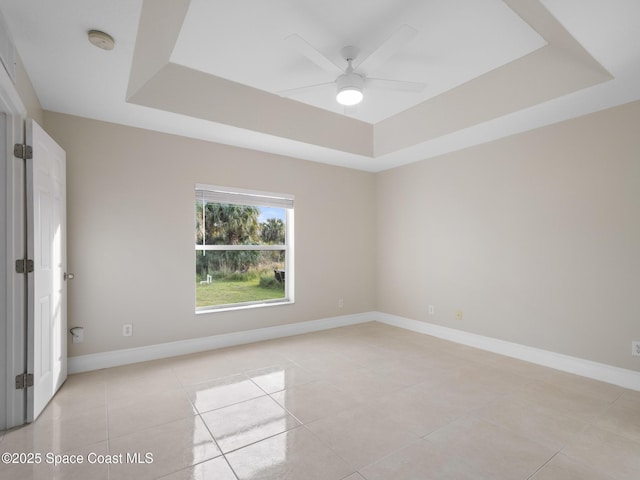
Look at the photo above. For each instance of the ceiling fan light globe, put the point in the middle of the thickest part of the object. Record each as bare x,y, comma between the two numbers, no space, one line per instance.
349,89
349,96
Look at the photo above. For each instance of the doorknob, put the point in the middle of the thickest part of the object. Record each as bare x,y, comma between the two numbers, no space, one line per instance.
68,276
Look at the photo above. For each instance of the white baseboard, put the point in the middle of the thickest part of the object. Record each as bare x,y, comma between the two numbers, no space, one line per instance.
115,358
586,368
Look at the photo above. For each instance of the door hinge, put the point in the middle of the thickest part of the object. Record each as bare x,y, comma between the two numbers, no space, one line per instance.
22,151
24,266
24,380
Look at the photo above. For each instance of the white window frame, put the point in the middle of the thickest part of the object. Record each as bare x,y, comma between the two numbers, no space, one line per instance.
264,199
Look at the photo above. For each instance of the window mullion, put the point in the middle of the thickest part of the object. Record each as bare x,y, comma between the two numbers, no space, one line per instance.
276,248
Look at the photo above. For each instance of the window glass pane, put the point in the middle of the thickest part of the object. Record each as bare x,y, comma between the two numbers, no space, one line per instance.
273,223
226,277
229,224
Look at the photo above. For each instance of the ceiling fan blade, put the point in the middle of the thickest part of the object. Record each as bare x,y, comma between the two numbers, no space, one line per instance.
397,85
294,91
306,49
390,46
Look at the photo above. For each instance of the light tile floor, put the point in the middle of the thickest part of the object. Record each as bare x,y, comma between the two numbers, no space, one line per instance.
365,402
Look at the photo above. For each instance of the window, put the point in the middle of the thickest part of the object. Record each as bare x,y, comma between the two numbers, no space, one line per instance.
244,248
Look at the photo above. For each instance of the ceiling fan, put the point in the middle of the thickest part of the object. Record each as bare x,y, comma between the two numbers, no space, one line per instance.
350,81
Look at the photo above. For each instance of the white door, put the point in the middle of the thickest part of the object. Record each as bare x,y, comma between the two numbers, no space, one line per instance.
46,245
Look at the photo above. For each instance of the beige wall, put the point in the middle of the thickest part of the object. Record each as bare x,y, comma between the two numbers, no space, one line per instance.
536,238
130,197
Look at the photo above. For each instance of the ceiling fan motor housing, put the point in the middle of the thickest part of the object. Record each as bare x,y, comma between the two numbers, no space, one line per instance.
348,80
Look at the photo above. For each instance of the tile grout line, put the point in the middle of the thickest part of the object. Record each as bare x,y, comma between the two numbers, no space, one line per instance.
544,464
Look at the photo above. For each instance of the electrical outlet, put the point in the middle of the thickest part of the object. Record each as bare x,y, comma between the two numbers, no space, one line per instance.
127,330
432,310
77,334
458,314
635,348
340,303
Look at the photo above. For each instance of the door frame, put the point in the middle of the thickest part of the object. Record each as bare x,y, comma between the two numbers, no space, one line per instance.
13,245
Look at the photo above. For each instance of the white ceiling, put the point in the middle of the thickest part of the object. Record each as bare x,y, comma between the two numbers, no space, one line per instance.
457,40
492,68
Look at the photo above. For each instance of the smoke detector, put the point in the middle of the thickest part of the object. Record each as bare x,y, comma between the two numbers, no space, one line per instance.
101,40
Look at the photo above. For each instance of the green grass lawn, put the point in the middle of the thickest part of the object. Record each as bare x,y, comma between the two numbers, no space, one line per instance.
222,292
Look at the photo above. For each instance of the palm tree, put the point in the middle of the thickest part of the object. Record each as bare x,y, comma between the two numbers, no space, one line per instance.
273,231
222,224
230,224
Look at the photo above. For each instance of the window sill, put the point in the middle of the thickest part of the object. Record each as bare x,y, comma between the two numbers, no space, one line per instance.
246,306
